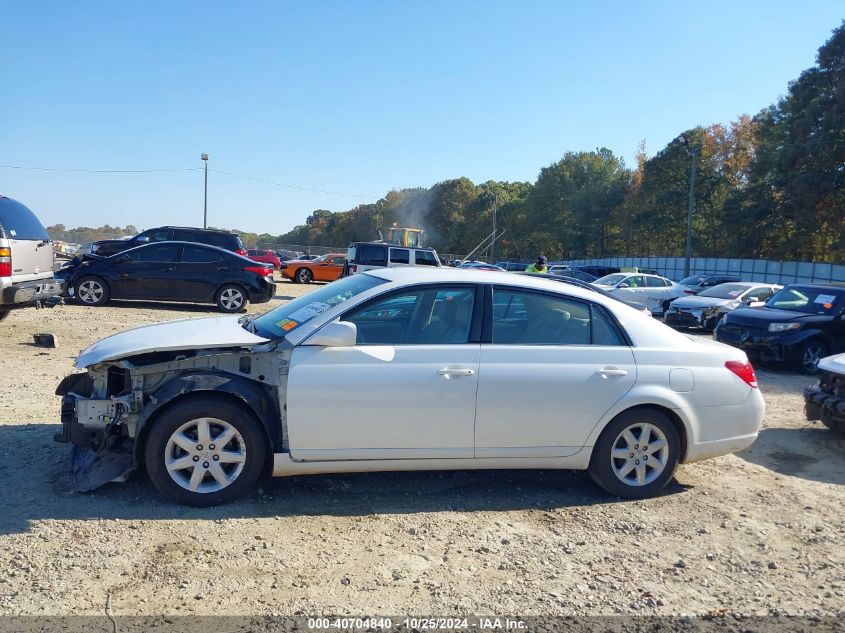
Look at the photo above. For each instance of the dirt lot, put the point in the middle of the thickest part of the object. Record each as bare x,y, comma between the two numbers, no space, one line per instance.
755,533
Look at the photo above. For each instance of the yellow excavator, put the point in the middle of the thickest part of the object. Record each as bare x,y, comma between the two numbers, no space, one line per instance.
403,236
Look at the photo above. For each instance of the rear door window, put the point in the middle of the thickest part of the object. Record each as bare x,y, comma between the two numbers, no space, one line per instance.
371,255
17,222
200,255
400,256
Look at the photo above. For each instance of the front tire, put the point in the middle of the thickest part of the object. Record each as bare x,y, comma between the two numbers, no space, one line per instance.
231,298
636,454
809,355
304,276
92,291
205,451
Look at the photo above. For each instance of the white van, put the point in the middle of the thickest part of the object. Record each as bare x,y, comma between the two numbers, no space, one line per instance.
363,256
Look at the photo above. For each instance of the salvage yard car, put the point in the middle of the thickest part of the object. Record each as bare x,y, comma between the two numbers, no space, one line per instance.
26,260
707,308
799,325
171,271
408,369
654,291
323,268
826,400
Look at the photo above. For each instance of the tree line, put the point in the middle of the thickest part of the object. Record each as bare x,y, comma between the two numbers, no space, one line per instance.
767,186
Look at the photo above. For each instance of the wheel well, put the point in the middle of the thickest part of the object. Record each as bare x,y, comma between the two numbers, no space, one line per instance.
676,420
141,438
299,270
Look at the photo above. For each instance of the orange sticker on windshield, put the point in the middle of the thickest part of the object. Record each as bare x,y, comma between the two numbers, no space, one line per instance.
287,325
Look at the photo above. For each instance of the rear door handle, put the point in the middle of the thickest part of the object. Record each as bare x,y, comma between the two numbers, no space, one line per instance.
607,372
448,372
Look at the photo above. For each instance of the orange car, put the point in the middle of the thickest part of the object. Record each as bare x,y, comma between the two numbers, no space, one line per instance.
324,268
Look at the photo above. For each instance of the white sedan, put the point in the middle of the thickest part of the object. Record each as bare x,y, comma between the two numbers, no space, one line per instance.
408,369
654,291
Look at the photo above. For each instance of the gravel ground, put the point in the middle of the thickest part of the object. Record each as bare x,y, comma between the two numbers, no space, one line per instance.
760,532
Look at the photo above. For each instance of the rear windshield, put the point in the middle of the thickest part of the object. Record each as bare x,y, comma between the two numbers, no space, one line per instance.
287,318
19,223
806,300
724,291
693,281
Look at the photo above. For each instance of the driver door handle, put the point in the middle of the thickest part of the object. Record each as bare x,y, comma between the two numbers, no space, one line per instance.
448,372
607,372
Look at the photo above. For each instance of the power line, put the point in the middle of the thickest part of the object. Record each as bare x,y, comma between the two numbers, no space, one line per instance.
184,169
99,171
280,184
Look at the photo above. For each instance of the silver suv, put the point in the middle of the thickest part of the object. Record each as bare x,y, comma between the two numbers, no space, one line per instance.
26,260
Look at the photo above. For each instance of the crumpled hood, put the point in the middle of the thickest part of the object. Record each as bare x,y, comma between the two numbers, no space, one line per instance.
696,302
211,332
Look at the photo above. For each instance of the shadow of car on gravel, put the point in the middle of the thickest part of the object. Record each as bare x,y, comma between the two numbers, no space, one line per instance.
814,453
38,486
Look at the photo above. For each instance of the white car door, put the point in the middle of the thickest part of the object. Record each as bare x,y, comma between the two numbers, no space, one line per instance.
406,390
554,366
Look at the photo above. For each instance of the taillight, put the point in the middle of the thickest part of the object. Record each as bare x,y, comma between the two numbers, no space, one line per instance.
261,270
689,292
353,268
744,370
241,251
5,262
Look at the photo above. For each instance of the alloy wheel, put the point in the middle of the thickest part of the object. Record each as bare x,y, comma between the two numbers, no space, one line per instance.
90,291
811,356
205,455
639,454
232,299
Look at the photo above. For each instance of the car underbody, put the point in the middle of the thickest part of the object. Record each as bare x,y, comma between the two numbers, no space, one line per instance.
107,410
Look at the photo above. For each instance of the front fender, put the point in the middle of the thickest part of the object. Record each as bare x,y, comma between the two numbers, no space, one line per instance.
260,399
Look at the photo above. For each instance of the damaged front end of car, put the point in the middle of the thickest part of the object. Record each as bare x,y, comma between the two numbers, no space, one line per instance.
107,409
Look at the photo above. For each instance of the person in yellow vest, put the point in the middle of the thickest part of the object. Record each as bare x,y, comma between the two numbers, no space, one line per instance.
539,266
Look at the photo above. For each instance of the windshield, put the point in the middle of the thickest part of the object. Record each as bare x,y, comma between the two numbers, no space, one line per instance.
806,300
610,280
724,291
277,323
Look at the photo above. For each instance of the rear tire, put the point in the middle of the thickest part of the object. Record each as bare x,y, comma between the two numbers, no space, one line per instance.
620,461
91,291
206,476
304,276
231,298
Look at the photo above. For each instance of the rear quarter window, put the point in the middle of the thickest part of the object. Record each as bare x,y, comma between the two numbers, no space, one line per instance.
17,222
371,255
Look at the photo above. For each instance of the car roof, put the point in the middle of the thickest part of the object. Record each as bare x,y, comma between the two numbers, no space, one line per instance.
191,228
833,285
180,243
377,243
425,274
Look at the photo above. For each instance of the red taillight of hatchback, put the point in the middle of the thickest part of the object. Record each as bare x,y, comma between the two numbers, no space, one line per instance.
261,270
744,370
5,262
241,251
689,292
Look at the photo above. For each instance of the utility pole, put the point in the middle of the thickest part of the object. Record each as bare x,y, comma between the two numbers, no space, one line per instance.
693,153
205,196
493,238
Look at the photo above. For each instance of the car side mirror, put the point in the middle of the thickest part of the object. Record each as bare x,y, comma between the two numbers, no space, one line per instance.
623,285
335,334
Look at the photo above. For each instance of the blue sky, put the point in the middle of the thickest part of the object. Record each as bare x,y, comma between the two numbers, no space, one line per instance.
360,97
